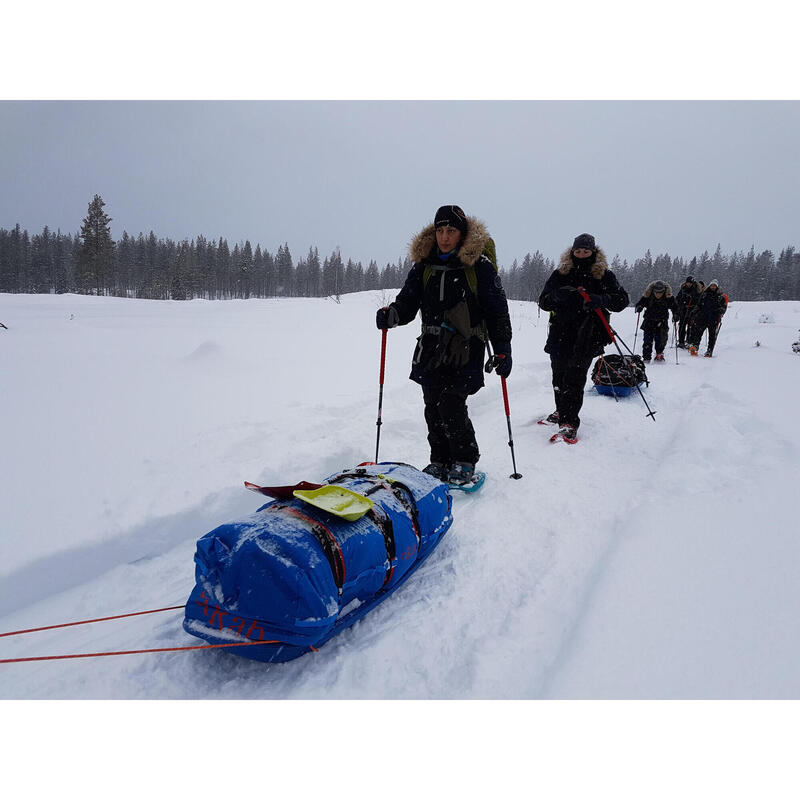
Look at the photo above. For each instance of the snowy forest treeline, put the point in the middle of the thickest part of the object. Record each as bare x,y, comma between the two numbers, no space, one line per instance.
91,262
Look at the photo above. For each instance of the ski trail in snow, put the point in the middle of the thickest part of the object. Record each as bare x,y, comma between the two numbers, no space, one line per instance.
735,449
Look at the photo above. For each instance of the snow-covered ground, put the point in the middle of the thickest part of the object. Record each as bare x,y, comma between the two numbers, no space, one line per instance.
651,560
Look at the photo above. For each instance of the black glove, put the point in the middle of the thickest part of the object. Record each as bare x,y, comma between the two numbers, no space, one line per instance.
387,317
500,363
563,293
595,301
638,309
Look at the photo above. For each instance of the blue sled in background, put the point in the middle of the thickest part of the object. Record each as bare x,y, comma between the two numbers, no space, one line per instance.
315,560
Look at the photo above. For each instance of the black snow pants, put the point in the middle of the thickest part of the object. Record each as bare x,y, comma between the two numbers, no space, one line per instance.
650,333
683,323
569,381
450,432
699,328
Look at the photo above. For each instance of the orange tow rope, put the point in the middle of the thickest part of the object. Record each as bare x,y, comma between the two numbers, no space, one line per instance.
120,652
87,621
131,652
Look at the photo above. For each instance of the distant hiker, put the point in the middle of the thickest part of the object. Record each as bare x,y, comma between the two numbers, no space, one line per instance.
686,300
576,334
656,302
459,293
692,315
710,308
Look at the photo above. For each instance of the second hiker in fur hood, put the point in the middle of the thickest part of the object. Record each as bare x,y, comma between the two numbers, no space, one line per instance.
656,302
460,297
576,334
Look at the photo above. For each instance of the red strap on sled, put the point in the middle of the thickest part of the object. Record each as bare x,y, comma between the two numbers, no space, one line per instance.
324,536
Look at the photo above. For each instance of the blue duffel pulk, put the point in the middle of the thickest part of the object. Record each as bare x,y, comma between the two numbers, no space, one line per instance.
618,375
292,575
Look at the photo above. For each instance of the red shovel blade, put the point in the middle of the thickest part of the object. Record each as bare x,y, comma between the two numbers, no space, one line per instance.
281,492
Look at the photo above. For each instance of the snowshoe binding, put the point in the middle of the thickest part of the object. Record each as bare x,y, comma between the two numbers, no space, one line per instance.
438,470
550,419
566,433
464,477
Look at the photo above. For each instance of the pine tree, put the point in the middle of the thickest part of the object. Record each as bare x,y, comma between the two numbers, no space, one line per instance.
223,270
372,277
314,272
245,267
285,272
125,259
96,255
333,275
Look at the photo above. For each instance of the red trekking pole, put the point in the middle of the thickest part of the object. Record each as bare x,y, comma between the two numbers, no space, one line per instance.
612,333
515,475
380,392
488,368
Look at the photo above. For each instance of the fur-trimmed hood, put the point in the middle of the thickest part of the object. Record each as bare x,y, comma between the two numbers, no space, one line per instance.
649,290
565,265
469,251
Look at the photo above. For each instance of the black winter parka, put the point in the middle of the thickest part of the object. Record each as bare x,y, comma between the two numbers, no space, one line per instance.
656,309
710,307
687,297
576,332
446,286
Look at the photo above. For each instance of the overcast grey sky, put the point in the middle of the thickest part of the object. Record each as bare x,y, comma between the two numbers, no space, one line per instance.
675,177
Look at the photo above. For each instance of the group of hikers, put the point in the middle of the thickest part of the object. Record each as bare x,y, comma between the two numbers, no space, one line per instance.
455,285
696,309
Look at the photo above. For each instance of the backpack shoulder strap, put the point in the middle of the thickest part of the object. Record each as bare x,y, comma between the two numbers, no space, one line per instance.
489,252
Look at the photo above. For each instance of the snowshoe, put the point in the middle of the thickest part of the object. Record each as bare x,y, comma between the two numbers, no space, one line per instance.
707,354
464,477
474,484
692,350
659,356
566,433
550,419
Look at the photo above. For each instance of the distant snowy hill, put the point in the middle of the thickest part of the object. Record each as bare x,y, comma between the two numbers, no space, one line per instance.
650,560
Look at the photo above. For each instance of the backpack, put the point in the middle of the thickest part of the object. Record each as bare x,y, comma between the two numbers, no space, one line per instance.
616,370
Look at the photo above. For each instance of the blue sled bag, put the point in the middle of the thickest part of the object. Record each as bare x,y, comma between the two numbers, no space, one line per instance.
617,375
293,574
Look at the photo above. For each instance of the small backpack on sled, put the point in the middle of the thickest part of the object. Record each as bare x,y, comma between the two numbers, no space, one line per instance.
618,375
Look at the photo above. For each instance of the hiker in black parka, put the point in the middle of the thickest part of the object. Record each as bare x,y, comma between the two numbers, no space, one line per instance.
576,334
691,313
711,306
686,300
656,302
461,299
